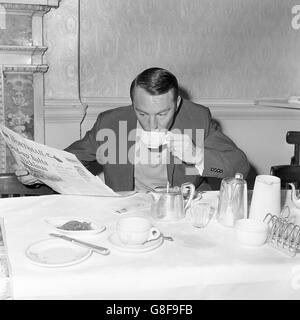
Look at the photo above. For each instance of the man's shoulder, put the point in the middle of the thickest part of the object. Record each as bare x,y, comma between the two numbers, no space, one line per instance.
194,113
193,107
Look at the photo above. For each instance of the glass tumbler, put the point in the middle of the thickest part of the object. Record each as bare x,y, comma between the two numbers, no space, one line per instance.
200,214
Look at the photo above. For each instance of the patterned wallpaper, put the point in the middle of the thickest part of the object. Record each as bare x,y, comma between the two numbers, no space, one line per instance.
235,49
61,39
226,49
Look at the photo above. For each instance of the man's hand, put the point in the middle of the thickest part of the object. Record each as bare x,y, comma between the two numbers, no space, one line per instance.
24,176
182,147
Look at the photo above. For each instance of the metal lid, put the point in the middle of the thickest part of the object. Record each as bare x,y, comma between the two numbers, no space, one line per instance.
238,179
239,176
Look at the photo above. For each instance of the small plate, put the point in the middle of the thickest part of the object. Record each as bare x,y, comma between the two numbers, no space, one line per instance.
148,246
56,253
57,222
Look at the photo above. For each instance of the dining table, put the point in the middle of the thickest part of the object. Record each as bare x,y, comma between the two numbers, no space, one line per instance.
201,263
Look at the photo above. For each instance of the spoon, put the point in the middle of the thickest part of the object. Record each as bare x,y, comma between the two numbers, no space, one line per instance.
162,236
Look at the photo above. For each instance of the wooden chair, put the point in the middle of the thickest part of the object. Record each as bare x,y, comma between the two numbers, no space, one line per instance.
290,172
287,173
293,137
10,186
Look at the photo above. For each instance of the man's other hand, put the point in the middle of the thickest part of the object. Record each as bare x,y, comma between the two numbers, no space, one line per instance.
24,177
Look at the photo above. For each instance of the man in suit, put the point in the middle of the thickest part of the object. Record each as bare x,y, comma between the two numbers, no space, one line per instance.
194,147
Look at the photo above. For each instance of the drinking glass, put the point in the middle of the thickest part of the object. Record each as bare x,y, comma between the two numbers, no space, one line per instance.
200,214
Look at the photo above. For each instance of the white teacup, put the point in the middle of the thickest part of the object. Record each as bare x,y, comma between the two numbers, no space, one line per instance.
153,139
136,230
251,232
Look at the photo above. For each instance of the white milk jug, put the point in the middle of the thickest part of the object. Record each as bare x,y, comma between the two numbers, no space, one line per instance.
266,197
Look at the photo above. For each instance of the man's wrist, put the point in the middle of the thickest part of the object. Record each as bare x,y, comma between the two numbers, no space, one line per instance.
199,156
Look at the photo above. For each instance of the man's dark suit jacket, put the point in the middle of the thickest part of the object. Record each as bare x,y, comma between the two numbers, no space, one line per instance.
222,158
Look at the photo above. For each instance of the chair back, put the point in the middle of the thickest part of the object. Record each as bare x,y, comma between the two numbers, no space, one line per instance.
10,186
293,137
287,174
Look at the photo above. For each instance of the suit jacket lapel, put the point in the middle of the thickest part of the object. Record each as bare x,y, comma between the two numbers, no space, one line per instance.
171,168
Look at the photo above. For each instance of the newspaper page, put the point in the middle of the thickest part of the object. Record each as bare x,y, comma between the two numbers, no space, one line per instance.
58,169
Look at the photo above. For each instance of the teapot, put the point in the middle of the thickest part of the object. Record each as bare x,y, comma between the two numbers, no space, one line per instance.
169,203
294,197
292,201
233,200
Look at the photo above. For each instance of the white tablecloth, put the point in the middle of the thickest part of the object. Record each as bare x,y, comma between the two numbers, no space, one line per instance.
200,264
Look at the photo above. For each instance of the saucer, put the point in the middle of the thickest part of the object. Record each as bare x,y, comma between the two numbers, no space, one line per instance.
141,248
58,222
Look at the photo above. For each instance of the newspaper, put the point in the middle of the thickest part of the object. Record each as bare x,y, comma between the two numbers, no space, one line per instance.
58,169
6,292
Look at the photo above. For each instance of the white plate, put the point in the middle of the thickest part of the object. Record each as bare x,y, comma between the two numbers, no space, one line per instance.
56,253
151,245
56,222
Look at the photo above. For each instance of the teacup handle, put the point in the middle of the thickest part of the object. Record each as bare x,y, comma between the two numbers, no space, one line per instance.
154,234
191,188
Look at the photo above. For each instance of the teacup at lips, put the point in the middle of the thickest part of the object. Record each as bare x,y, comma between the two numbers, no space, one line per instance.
136,230
153,139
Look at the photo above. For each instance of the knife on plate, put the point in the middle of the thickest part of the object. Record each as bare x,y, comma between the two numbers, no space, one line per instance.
91,246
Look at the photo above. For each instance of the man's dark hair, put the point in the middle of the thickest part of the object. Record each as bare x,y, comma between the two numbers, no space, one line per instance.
155,81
